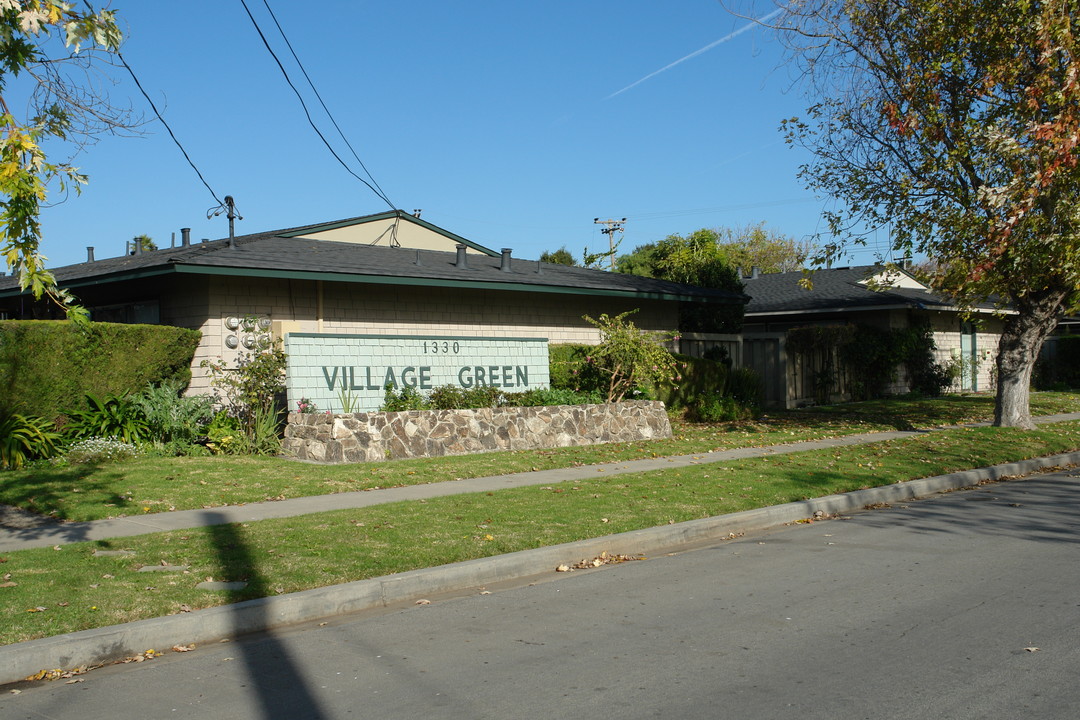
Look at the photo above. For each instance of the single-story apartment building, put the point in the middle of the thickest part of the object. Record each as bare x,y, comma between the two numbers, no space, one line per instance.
870,295
364,301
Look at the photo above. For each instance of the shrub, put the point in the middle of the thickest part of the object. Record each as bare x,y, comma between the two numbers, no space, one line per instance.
719,409
630,360
406,398
711,391
746,387
100,450
113,416
49,365
249,394
701,379
172,420
570,369
24,438
541,397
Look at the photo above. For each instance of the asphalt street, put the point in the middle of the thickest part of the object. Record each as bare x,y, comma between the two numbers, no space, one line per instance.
962,605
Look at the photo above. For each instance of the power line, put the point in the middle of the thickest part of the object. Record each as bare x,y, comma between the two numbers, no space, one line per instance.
162,120
323,104
308,112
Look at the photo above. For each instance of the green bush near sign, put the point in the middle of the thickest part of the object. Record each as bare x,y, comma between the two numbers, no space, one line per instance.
709,391
451,397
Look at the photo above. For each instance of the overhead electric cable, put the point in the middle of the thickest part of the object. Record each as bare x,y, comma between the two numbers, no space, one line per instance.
308,112
330,115
171,134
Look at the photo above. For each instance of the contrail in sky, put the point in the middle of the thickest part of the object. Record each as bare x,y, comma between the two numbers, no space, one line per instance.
708,47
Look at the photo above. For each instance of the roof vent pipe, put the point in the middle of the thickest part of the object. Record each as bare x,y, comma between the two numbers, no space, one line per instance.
755,272
505,266
539,269
418,263
462,262
89,253
185,237
137,245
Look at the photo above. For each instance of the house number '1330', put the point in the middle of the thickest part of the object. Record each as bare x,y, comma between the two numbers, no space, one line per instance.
436,347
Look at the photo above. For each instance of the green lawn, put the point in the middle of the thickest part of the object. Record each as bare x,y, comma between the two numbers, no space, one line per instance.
148,485
51,591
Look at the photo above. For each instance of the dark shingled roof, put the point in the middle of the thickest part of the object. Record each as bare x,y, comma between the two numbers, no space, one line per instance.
273,255
833,289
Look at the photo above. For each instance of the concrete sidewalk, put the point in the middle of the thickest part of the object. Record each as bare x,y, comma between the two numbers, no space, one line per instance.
50,534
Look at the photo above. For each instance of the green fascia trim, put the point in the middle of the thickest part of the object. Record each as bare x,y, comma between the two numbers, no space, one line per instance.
400,214
437,282
372,280
101,279
414,337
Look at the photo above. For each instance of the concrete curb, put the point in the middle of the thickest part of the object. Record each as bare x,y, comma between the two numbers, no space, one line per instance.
100,645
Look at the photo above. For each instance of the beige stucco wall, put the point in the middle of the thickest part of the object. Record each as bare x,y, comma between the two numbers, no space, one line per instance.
987,336
391,232
309,306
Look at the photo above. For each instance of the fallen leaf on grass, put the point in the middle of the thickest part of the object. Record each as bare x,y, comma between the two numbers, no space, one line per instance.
37,609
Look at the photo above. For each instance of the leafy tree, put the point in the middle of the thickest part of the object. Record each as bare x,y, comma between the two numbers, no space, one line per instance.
41,43
956,123
694,260
753,246
561,256
145,241
742,248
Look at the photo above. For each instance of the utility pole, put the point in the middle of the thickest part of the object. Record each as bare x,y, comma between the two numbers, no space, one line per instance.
611,227
229,208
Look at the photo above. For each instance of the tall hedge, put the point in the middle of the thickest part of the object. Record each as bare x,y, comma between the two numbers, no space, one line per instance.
48,366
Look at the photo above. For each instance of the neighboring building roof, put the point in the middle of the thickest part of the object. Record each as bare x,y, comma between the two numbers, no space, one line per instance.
282,254
841,290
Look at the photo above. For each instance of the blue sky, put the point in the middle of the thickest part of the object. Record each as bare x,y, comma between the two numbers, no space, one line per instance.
512,124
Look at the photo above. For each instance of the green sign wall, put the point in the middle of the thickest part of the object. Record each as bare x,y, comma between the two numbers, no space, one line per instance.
332,370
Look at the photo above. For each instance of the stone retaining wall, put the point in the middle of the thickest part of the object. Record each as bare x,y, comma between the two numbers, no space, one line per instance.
365,437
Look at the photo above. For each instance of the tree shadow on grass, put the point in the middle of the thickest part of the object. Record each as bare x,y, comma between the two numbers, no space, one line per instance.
277,678
46,490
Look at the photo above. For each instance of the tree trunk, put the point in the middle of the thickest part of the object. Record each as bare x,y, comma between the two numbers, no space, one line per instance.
1021,340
